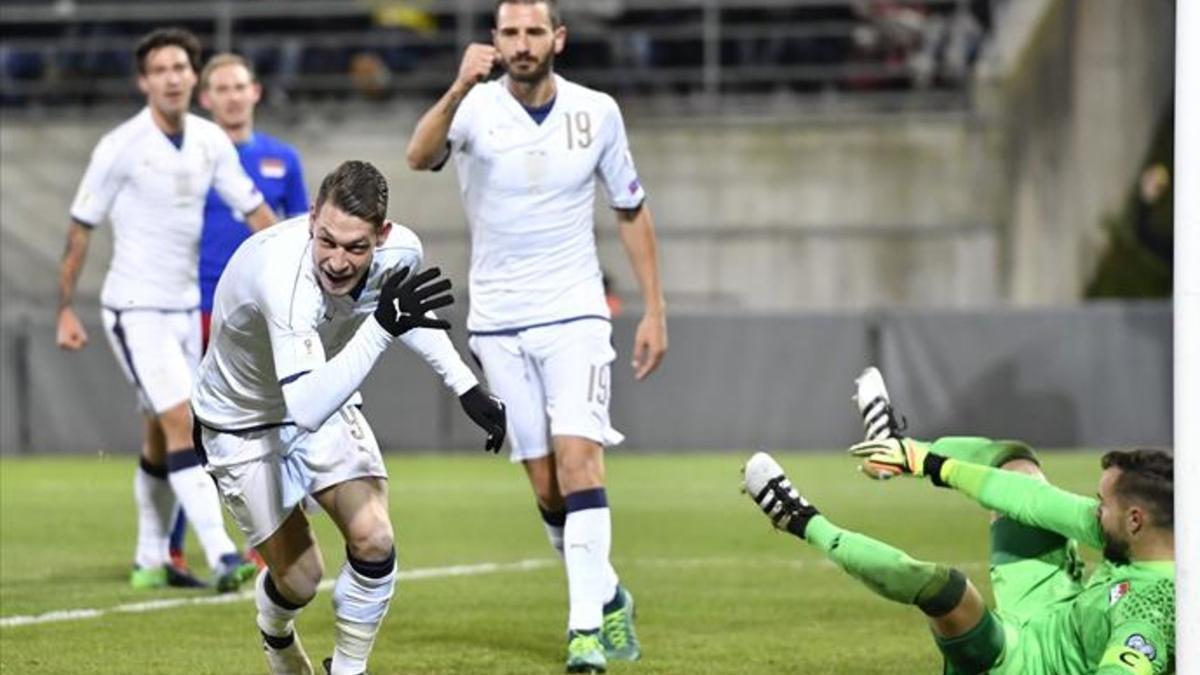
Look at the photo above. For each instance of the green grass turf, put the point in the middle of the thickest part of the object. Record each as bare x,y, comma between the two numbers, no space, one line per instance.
717,590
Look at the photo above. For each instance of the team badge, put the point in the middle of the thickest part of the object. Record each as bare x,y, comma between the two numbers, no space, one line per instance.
1140,644
1117,592
272,167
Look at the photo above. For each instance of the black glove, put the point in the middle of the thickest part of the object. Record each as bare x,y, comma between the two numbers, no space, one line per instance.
403,301
488,412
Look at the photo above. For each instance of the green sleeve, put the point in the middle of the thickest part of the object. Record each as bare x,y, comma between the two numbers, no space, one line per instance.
1027,500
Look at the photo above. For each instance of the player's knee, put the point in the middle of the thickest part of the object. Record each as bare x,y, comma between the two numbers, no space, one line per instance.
299,581
374,544
579,471
1017,456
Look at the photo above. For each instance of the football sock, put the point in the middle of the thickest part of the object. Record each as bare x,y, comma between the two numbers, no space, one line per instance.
155,504
888,571
195,490
275,612
555,521
587,539
360,600
178,532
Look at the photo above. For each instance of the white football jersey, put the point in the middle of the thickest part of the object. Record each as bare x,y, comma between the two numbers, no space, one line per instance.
529,190
153,194
272,323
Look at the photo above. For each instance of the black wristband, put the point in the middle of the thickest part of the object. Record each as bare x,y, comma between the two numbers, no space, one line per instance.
932,466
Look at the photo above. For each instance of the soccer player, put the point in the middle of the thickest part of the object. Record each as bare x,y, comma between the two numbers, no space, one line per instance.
301,315
230,91
149,177
528,149
1047,620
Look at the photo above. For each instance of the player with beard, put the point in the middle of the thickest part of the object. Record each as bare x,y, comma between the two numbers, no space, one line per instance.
529,148
1047,619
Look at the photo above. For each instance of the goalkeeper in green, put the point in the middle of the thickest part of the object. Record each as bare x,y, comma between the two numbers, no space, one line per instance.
1047,619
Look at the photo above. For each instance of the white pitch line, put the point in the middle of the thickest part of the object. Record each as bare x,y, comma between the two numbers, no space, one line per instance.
171,603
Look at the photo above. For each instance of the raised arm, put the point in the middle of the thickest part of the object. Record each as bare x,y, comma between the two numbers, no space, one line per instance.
71,334
1023,498
427,147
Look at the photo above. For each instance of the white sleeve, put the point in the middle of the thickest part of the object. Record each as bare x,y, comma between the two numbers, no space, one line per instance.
435,347
313,388
312,397
459,136
230,179
101,182
615,168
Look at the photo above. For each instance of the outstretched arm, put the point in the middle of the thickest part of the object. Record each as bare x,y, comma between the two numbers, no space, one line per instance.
1023,498
1027,500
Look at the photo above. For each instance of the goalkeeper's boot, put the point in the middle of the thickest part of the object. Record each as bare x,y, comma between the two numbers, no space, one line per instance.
285,656
765,482
232,572
585,653
879,419
617,635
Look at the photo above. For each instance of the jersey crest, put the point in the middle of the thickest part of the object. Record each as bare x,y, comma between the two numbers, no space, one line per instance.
1117,592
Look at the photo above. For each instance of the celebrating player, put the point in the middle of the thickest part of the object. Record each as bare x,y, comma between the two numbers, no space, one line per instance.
1047,621
278,420
149,177
230,91
528,149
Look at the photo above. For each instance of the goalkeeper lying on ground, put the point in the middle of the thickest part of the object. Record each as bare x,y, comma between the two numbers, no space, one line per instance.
1046,620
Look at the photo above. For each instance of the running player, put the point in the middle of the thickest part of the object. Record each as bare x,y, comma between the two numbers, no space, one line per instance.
302,313
529,149
149,177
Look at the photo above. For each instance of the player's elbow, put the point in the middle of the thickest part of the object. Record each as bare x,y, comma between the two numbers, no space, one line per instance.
305,416
418,161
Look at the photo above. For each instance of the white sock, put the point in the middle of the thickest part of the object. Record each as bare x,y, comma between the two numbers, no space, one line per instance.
275,613
555,534
361,598
198,494
155,506
587,539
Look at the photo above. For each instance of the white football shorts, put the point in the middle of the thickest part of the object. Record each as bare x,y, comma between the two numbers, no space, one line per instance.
556,381
289,464
158,351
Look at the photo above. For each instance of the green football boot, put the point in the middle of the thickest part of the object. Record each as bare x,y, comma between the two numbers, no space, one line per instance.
585,654
232,572
143,578
617,634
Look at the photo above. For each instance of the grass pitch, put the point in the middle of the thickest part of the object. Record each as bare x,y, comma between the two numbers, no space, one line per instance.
717,590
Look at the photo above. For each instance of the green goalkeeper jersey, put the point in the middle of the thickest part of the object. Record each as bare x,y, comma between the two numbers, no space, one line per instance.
1121,622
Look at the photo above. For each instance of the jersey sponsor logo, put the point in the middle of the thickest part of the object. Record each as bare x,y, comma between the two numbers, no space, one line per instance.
1140,644
272,167
1117,592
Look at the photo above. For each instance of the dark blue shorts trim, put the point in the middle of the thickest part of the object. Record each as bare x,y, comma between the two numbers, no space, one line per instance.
518,329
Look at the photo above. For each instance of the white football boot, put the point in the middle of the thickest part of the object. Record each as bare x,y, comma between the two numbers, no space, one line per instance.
291,660
764,481
879,419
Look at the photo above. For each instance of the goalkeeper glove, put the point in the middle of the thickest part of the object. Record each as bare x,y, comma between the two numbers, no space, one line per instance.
891,457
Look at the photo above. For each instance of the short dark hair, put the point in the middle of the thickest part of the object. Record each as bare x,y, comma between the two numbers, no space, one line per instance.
168,37
357,189
1147,476
552,5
